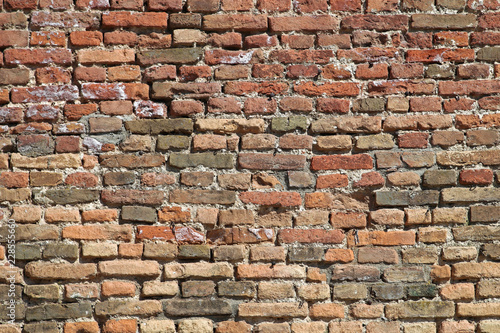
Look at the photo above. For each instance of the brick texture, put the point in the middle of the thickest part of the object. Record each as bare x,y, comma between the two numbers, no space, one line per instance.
238,166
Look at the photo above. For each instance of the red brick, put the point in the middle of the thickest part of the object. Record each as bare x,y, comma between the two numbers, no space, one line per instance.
298,41
48,38
86,38
229,40
11,115
467,121
65,19
296,104
372,71
55,4
236,22
451,38
476,177
95,74
44,94
298,56
339,255
82,179
332,181
155,41
42,112
376,22
260,106
270,161
127,4
311,236
342,41
370,179
440,55
489,4
131,19
369,54
120,326
154,232
84,326
118,288
209,142
186,108
264,88
346,5
374,6
37,56
159,73
273,5
238,5
4,93
377,255
188,235
400,86
473,71
309,6
407,71
267,71
303,23
91,56
9,38
379,327
293,141
276,199
232,326
132,197
52,75
174,214
485,38
14,179
347,162
231,72
348,220
453,105
413,140
214,57
331,105
240,235
191,73
337,89
425,104
260,41
489,21
335,72
114,91
120,38
76,111
20,4
382,238
165,5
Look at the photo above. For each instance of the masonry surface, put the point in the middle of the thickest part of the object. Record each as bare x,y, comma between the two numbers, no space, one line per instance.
237,166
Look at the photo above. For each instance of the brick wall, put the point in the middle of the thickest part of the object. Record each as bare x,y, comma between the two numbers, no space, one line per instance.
255,166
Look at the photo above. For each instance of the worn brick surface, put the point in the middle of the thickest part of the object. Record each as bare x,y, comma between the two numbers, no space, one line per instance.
250,166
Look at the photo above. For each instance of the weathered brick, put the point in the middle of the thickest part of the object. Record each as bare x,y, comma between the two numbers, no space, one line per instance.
49,271
128,308
194,307
404,198
239,235
269,310
420,309
59,311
